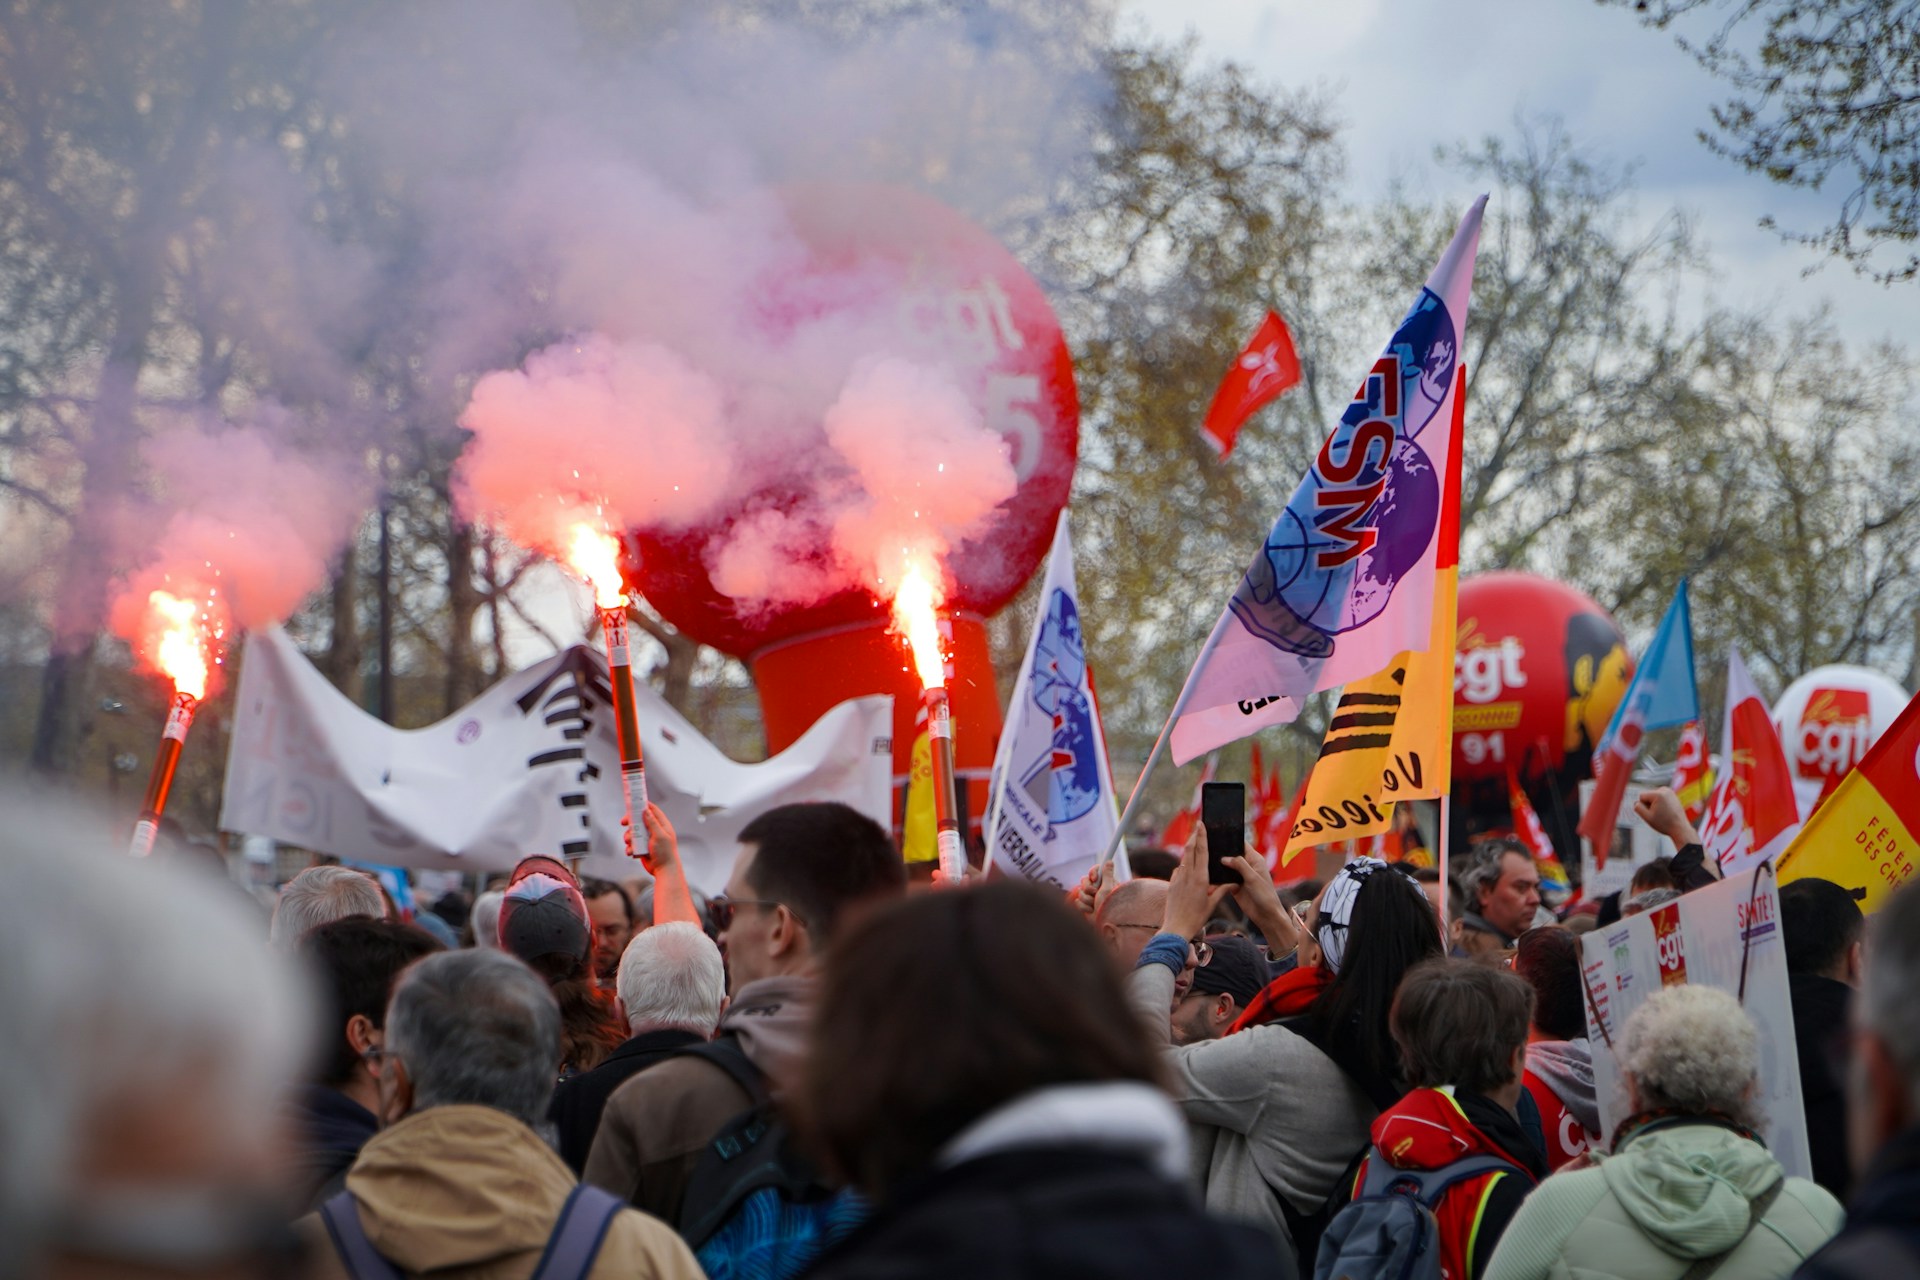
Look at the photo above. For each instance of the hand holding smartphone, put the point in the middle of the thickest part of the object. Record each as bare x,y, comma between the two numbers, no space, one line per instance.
1223,812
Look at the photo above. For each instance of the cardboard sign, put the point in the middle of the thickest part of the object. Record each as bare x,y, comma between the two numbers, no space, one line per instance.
1702,938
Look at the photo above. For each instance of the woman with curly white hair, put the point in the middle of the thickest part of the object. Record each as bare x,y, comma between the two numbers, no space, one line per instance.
1688,1189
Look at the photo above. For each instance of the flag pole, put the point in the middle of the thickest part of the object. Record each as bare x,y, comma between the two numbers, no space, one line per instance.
1160,744
1444,840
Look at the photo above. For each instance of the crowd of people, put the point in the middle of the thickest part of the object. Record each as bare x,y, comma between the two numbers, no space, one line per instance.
818,1072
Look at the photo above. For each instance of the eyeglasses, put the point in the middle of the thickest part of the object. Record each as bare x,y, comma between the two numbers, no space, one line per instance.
374,1055
721,909
1202,953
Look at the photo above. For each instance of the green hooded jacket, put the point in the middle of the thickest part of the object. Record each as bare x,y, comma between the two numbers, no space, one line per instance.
1669,1198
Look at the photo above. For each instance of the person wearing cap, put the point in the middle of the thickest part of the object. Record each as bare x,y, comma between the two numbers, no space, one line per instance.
1229,973
544,922
1281,1105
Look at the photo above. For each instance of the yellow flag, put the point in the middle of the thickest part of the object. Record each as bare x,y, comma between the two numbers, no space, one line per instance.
1866,836
917,843
1391,736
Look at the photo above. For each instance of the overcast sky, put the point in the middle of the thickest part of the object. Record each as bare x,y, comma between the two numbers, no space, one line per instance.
1409,75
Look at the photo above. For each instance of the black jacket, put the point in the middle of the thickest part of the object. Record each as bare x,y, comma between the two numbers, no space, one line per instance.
579,1100
1881,1240
329,1129
1049,1213
1820,1008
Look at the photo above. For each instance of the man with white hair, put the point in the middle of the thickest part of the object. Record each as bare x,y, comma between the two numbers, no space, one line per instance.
457,1183
485,919
321,895
673,989
1882,1236
1688,1189
145,1034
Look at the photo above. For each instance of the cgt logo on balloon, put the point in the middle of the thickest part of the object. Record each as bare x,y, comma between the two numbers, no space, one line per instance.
1836,728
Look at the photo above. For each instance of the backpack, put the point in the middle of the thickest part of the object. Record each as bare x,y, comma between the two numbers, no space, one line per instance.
571,1248
755,1207
1389,1230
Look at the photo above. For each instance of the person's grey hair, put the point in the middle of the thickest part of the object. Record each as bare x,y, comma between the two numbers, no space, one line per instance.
484,919
672,976
643,909
1130,896
321,895
1482,870
478,1028
131,984
1648,900
1693,1049
1888,1008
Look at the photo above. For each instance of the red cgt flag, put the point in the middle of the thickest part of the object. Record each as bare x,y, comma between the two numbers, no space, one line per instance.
1266,367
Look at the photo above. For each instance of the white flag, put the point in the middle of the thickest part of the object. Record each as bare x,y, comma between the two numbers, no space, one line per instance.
1343,583
530,766
1052,813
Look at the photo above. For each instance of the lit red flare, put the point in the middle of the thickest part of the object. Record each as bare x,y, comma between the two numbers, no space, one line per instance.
184,636
916,616
595,556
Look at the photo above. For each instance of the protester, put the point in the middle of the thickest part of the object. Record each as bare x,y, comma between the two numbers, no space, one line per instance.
320,895
484,923
1688,1187
1454,1139
1223,985
1882,1235
977,1075
1559,1074
1502,889
611,914
356,961
672,986
1823,930
146,1032
1640,903
543,921
457,1182
801,871
1280,1107
1127,917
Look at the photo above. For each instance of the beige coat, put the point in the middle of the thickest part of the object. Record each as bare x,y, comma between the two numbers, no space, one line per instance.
470,1193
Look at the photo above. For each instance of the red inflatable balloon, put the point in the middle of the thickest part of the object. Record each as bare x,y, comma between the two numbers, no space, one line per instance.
1538,672
970,304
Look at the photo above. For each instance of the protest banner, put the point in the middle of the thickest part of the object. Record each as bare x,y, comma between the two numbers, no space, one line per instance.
1725,936
530,766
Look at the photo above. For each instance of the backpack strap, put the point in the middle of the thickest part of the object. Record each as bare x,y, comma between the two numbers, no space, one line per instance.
1428,1185
725,1053
357,1254
578,1234
1756,1210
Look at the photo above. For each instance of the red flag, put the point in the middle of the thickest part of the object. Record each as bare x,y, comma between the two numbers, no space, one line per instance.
1180,830
1266,366
1693,771
1753,814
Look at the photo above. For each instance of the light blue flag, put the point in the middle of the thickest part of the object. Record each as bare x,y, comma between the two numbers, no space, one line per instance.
1663,690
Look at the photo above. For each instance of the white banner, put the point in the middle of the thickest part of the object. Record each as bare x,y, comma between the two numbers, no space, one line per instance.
1052,810
530,766
1703,938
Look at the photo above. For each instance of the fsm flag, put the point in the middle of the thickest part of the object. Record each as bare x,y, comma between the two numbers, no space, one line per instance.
1052,814
1344,580
1661,696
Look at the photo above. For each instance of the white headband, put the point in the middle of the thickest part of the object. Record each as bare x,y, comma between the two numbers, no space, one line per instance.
1336,908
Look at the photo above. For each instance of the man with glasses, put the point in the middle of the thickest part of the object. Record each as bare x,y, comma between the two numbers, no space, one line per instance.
800,871
1225,973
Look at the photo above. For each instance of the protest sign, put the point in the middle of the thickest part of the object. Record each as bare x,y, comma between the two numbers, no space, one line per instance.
530,766
1721,936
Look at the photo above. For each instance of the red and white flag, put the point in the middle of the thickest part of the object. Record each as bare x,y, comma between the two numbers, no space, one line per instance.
1753,814
1180,829
1265,367
1692,771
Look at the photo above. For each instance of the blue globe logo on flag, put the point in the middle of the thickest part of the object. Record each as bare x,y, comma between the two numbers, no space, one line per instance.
1368,508
1070,771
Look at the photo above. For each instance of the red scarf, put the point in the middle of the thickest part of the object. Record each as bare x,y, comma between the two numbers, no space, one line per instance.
1287,996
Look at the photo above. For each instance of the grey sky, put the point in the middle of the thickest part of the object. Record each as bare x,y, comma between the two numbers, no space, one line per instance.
1409,75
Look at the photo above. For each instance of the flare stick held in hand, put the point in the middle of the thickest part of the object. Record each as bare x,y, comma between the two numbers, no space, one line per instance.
160,781
948,843
633,768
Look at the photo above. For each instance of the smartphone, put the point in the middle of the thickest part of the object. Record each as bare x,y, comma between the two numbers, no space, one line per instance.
1223,812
